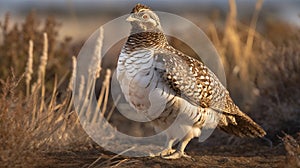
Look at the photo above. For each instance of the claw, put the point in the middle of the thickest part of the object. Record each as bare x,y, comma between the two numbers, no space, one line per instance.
167,152
176,155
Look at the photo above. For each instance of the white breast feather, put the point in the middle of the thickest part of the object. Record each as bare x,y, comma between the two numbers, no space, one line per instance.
146,92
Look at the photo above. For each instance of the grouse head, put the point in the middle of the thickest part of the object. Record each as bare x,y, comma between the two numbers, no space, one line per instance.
142,18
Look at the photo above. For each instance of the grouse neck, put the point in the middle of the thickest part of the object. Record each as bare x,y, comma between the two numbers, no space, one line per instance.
145,40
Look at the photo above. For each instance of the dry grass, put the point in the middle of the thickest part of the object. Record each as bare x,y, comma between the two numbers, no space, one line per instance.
14,47
234,42
32,119
292,146
262,72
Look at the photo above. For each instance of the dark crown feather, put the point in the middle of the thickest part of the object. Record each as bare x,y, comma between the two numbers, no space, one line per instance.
138,7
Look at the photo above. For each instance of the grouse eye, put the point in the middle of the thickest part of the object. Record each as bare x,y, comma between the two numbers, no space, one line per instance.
145,16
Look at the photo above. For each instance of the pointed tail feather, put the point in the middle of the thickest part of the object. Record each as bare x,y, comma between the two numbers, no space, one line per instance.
242,126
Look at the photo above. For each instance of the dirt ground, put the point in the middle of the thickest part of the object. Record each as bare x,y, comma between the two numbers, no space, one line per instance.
252,153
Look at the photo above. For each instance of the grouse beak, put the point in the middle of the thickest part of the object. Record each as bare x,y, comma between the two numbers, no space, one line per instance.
131,18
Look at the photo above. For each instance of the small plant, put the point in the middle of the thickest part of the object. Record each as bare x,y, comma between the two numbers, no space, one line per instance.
292,147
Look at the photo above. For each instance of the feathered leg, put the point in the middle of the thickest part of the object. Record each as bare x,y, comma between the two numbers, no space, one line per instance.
180,149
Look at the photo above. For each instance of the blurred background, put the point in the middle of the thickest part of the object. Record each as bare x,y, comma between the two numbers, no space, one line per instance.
80,18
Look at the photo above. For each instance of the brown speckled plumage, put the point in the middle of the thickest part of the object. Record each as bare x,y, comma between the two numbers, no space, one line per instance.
184,79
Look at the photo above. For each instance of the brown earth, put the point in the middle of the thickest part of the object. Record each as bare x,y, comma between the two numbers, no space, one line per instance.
252,153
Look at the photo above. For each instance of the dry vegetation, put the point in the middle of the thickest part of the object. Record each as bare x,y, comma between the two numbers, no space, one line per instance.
36,114
262,71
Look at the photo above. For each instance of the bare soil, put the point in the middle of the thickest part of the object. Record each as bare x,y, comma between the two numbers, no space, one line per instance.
253,153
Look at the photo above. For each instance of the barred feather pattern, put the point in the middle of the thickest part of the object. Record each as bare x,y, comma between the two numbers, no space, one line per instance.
142,72
147,57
